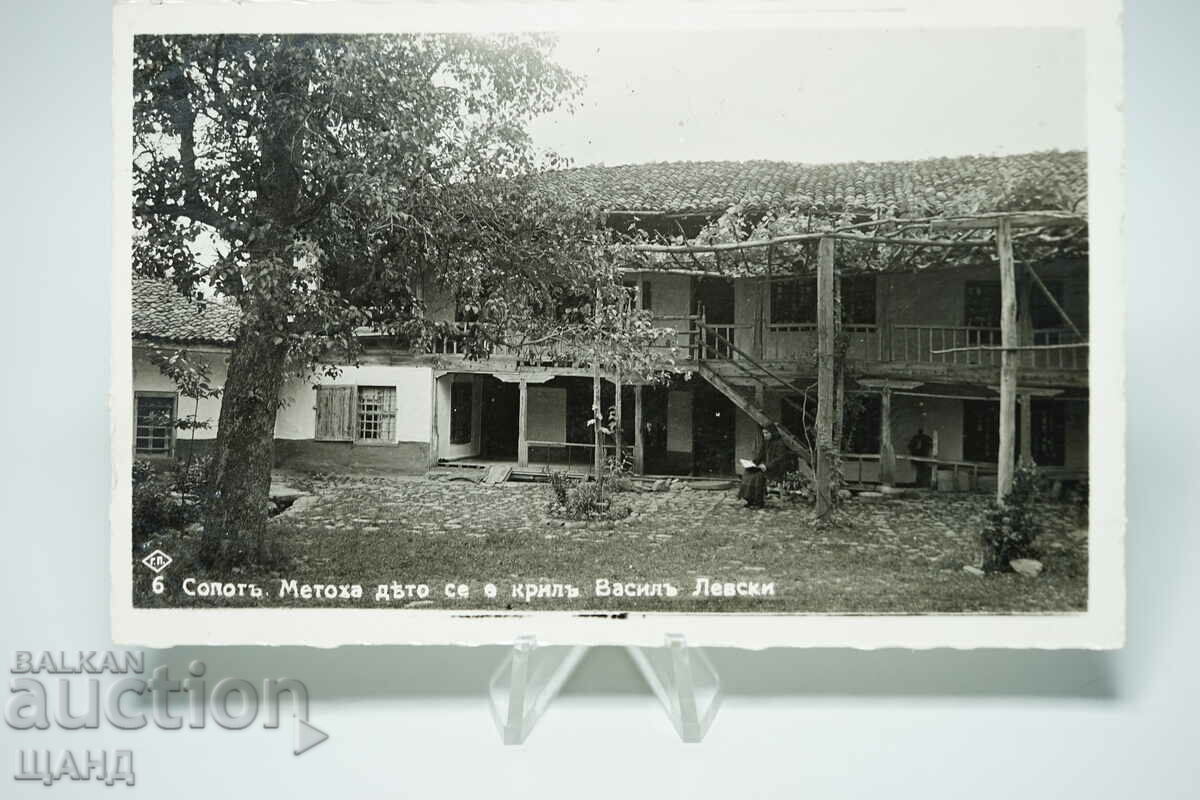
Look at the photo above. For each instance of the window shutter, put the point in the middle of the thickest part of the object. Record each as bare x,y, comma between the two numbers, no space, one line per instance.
335,414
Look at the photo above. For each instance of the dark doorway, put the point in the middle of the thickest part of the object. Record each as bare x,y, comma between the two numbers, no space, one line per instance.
981,431
714,429
654,430
715,298
501,405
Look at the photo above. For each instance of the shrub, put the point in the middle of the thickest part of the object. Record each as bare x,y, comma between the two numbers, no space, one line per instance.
560,484
1012,526
156,504
587,500
797,487
191,476
584,501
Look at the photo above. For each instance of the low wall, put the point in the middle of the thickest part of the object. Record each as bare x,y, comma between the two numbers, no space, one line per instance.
410,458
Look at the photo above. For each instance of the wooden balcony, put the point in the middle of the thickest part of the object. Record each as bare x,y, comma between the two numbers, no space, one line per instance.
926,350
939,344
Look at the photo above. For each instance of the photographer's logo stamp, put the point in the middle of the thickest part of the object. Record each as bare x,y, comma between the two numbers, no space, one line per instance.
157,561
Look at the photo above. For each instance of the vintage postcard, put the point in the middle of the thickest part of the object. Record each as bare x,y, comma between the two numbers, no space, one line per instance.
764,326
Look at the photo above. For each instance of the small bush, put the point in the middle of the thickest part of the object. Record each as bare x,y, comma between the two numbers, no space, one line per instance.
1011,527
157,506
192,475
587,500
796,487
560,484
584,501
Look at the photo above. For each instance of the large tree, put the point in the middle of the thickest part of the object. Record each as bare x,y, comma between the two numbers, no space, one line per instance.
319,181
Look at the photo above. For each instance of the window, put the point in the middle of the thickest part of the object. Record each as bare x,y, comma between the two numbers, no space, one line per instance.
364,414
647,305
1049,423
1043,313
981,431
154,428
794,301
461,411
858,300
376,419
981,304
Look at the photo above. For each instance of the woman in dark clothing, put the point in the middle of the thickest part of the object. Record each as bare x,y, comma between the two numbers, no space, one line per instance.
770,462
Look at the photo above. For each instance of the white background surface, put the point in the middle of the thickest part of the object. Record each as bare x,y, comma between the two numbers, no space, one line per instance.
411,722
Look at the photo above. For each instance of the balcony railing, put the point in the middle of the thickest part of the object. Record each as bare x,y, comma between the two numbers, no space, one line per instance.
906,344
916,344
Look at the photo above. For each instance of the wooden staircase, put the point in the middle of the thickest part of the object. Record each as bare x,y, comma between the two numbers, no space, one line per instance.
761,378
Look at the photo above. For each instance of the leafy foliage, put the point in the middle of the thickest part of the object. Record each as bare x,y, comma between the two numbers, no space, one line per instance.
323,183
1010,190
332,175
560,484
157,505
1012,526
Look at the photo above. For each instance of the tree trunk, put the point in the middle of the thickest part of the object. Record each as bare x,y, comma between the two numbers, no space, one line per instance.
240,478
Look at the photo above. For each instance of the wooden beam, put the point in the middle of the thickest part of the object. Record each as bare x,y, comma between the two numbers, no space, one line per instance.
639,445
1002,348
523,377
888,383
826,391
887,449
1019,219
523,425
1010,359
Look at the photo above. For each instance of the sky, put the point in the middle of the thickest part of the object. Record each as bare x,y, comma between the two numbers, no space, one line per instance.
818,96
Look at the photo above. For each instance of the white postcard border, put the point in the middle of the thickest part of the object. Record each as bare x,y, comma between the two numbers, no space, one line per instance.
1102,626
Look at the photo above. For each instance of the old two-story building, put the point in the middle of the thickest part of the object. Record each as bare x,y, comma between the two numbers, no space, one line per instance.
746,347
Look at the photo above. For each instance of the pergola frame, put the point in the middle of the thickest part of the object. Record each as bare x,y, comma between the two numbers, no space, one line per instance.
998,227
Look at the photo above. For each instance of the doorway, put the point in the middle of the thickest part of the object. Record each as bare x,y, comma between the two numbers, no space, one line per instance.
714,431
501,407
714,297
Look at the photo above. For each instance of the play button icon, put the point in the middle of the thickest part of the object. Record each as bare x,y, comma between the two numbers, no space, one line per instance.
307,737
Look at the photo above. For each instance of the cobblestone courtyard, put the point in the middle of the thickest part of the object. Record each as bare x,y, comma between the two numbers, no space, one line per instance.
889,555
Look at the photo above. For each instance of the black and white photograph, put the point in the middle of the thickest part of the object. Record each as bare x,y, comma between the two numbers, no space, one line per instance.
740,323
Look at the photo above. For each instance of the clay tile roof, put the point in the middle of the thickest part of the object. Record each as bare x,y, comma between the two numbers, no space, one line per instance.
904,188
160,312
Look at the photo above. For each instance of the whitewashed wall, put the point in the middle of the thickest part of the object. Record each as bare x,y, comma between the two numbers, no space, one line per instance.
148,378
414,400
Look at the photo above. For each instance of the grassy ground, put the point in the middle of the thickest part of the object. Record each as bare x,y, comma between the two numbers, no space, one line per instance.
880,556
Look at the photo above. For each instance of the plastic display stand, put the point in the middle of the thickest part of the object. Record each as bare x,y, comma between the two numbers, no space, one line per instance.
530,676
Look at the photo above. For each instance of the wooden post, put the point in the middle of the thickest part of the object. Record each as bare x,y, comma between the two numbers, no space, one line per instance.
618,431
826,391
1009,359
597,422
639,453
523,425
884,329
1026,400
1025,318
887,449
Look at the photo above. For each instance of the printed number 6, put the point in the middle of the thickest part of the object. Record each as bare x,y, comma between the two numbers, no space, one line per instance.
157,585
